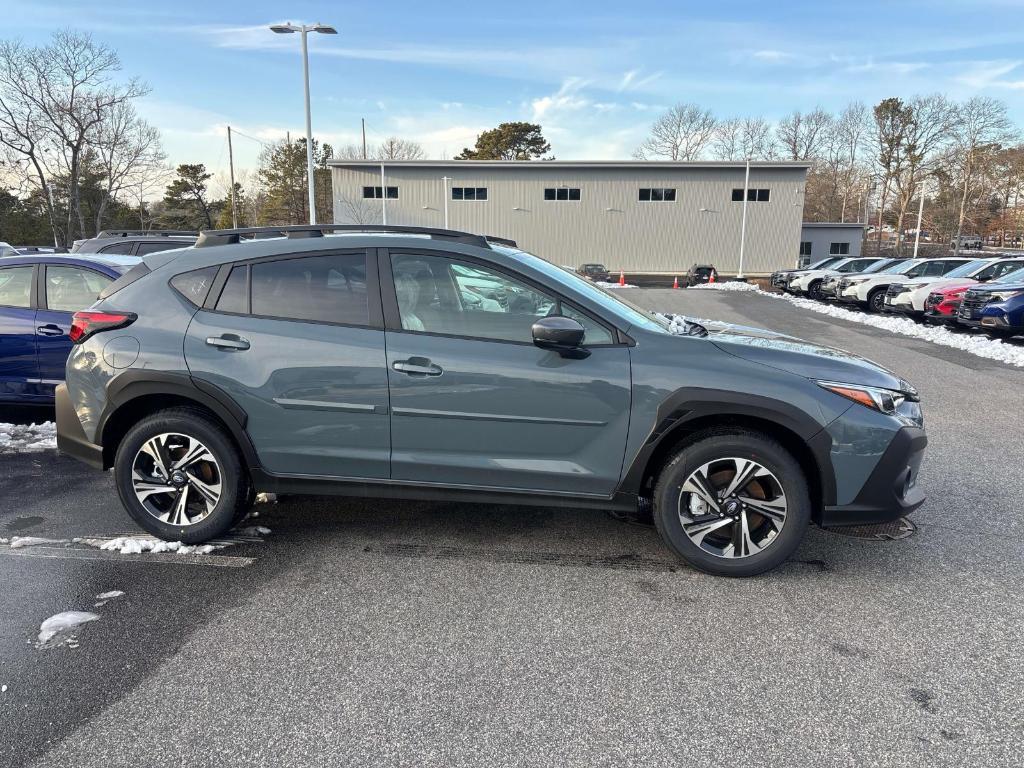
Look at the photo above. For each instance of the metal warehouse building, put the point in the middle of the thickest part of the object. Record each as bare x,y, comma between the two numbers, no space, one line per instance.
819,240
652,217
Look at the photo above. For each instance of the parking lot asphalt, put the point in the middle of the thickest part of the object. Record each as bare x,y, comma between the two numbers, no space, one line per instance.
366,632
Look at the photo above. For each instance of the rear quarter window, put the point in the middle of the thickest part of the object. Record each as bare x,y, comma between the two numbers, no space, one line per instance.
195,285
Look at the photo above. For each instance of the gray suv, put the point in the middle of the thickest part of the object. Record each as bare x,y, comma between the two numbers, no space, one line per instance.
135,242
431,364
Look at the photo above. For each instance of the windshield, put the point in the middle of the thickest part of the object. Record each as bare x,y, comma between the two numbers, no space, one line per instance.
902,269
822,263
970,267
1017,276
882,266
840,264
611,298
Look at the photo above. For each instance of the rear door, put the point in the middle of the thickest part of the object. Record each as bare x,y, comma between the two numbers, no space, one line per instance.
64,290
298,343
19,371
475,403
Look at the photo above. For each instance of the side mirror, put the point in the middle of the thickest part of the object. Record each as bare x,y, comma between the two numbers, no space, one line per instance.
562,335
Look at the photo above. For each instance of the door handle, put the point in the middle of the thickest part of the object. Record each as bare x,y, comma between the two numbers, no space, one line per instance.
49,330
228,341
417,366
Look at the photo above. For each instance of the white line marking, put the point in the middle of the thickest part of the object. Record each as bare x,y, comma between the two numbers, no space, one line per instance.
223,561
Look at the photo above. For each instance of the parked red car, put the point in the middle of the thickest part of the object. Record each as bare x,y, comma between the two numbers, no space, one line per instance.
941,305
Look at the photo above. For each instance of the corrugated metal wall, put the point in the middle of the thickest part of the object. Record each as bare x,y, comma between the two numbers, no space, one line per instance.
822,237
608,224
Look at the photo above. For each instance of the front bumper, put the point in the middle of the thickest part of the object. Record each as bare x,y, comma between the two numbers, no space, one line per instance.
71,438
891,490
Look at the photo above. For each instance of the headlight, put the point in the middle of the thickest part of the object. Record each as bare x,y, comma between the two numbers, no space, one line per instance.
856,280
1005,295
876,398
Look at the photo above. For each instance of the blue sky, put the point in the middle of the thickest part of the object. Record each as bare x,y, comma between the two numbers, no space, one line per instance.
594,74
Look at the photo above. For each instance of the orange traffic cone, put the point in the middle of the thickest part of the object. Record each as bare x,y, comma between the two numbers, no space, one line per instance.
712,278
675,283
622,277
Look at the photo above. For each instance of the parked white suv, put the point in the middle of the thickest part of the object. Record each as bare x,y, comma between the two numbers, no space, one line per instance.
910,297
967,241
808,281
869,290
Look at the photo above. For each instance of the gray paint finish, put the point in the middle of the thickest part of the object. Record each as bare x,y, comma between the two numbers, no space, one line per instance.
609,224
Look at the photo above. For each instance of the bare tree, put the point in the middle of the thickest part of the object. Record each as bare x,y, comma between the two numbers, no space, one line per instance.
801,136
741,138
69,85
394,148
22,127
358,211
125,149
682,133
892,118
982,126
932,119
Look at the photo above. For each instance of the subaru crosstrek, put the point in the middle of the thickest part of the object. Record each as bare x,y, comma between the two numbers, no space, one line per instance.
432,364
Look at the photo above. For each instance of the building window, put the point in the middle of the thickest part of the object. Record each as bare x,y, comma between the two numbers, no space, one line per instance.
374,193
805,248
469,193
839,249
753,195
562,193
657,195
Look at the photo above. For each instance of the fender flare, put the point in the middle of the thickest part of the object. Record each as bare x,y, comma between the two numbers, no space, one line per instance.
134,384
690,404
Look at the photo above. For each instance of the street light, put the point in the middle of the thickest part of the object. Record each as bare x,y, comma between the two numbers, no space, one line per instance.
920,214
305,29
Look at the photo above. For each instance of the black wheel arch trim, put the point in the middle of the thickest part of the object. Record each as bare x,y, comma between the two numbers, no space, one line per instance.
134,384
689,404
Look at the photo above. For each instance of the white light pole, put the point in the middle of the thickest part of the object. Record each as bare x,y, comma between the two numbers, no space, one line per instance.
743,226
920,213
446,179
305,29
383,197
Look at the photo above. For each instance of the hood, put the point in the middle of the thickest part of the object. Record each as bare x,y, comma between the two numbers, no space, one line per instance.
990,287
948,286
789,353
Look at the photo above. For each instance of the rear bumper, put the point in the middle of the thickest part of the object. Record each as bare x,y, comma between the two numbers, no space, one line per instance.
891,491
71,438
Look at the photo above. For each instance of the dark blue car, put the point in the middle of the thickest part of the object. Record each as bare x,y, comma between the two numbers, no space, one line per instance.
38,296
997,308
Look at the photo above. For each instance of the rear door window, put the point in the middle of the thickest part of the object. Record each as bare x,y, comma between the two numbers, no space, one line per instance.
70,289
325,289
123,248
16,287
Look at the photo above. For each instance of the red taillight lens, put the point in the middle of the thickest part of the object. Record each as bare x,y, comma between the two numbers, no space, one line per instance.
85,324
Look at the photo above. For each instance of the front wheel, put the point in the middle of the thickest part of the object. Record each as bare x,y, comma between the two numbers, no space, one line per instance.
814,291
732,503
180,477
876,300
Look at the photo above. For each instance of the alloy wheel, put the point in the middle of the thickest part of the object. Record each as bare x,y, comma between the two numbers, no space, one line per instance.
732,507
176,479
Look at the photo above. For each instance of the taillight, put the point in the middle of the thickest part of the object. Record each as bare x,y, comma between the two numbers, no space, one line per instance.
85,324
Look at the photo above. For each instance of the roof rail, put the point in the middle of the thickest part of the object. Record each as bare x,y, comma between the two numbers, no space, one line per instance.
141,232
213,237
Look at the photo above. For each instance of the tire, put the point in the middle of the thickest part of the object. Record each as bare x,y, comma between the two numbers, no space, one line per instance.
717,453
876,300
214,484
998,334
814,291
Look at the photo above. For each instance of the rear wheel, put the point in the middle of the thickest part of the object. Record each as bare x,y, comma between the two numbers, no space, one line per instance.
814,291
180,477
732,503
876,300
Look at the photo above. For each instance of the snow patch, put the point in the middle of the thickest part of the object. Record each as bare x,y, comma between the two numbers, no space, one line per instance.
732,285
251,530
18,542
136,545
28,438
110,595
59,629
980,346
603,284
266,498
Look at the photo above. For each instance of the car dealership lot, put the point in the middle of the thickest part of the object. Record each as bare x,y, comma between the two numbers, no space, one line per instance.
385,633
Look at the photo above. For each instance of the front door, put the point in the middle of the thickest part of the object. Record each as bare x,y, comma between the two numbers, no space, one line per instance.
298,343
475,403
19,371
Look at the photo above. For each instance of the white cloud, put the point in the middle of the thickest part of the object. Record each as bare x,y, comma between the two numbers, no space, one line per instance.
982,75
